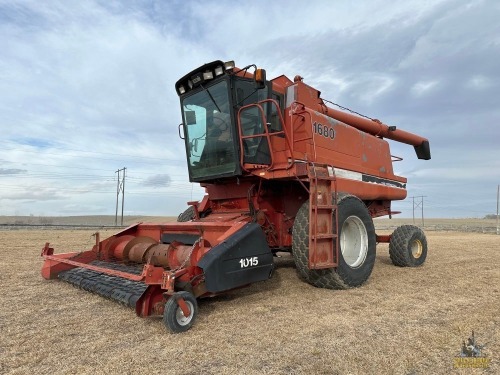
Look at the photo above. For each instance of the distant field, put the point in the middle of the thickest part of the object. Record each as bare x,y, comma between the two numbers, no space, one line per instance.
96,220
462,225
402,321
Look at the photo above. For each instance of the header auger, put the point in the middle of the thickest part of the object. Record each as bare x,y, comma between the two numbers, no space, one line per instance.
282,172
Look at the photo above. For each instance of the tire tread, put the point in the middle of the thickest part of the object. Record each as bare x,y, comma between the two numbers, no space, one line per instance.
187,215
399,246
329,278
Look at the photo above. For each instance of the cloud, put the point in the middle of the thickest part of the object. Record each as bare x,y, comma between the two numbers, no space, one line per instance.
87,88
33,195
423,87
159,180
11,171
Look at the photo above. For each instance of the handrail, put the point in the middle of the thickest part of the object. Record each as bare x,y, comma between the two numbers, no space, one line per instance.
266,133
301,113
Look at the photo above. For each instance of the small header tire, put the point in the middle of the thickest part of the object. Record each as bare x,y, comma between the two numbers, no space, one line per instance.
408,246
174,318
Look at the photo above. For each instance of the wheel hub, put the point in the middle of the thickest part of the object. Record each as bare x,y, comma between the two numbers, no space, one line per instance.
179,315
416,249
354,241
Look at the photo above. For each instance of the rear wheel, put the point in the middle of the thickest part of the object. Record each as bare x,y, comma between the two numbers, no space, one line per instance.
173,316
357,242
408,246
187,215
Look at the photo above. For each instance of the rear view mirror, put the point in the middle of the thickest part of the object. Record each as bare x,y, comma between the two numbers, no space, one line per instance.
190,117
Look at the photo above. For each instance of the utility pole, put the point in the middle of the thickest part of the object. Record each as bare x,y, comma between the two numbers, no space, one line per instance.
120,188
417,205
423,224
117,195
123,190
498,198
411,198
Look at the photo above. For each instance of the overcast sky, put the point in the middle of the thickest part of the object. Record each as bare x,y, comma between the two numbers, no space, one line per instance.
87,87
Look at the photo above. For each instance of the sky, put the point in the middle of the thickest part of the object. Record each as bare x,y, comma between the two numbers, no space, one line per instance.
87,88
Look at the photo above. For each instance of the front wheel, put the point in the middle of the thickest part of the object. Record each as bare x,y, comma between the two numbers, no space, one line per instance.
408,246
357,243
173,316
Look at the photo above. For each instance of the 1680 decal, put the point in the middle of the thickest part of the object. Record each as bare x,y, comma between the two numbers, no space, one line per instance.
324,130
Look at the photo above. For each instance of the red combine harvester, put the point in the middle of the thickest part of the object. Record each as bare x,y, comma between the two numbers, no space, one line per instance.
282,172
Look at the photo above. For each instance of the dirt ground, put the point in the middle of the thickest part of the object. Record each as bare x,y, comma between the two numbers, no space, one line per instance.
403,321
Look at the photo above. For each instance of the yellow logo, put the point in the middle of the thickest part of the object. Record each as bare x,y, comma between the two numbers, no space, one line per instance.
471,362
471,355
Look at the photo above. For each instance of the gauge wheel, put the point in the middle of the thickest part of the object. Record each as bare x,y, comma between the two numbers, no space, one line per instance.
173,316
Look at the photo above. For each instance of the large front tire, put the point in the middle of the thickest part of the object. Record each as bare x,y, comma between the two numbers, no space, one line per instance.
357,242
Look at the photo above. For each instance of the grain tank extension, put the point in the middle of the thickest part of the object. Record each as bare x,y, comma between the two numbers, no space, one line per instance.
283,172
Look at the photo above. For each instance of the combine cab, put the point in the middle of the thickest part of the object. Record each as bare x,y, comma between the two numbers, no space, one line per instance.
282,172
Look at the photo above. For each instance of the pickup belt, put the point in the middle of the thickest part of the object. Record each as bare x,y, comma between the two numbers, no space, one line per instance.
123,291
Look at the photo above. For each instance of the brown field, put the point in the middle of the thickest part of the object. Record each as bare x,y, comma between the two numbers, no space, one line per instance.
461,225
403,321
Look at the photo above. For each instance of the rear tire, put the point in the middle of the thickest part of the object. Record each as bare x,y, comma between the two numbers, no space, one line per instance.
357,242
174,319
187,215
408,246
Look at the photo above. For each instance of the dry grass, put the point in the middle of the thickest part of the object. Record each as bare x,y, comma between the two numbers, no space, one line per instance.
403,321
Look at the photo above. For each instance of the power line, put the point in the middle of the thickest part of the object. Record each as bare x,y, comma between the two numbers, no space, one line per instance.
82,167
47,175
67,149
93,152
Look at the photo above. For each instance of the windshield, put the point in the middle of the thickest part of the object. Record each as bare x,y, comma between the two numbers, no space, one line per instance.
209,138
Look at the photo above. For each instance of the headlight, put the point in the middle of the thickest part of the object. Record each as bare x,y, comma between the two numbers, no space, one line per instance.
229,65
219,70
208,75
182,90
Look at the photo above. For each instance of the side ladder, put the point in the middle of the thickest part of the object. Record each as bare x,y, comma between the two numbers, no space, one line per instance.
323,218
